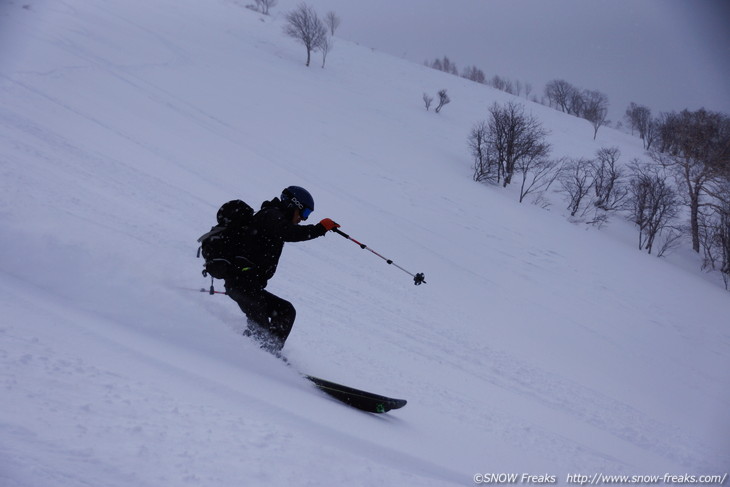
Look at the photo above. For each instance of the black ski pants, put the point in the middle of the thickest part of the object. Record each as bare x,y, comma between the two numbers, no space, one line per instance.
270,318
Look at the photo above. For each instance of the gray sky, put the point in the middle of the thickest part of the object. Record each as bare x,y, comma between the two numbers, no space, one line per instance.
666,54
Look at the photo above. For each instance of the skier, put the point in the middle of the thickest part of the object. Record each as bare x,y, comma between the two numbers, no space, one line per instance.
270,318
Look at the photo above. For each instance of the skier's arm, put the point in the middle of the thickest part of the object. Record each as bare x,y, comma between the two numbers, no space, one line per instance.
298,233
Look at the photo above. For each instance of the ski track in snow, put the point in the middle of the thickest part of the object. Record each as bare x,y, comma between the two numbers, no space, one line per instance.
114,418
535,346
582,404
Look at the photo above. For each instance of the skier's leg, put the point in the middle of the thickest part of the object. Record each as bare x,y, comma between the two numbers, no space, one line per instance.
270,318
282,314
253,305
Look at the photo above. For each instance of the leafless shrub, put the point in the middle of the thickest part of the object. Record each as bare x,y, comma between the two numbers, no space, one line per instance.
443,100
427,100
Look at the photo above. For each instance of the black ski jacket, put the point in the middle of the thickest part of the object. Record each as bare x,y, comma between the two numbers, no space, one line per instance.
263,241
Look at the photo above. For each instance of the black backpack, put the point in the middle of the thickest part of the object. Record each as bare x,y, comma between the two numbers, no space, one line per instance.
220,246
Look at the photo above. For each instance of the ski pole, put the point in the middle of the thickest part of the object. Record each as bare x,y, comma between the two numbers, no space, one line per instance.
202,290
418,278
211,291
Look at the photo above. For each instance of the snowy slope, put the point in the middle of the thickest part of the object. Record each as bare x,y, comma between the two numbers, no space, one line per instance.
536,346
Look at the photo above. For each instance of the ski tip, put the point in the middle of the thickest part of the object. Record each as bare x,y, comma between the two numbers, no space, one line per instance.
357,398
393,404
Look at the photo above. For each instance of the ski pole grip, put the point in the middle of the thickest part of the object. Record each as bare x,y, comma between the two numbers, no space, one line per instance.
337,230
362,245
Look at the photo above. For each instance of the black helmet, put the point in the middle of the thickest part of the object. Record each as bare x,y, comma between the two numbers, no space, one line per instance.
298,197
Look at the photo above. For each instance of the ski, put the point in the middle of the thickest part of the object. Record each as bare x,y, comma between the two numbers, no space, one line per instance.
356,398
363,400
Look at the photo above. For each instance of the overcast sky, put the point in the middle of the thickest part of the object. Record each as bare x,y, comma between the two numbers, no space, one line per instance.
666,54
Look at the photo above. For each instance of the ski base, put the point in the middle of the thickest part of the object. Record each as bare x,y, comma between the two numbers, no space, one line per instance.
363,400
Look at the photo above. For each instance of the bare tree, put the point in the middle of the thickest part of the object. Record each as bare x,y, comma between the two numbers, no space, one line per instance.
305,26
560,94
651,134
538,174
498,82
696,148
576,180
325,47
427,100
332,21
609,189
445,64
594,109
443,100
714,223
528,90
715,239
639,117
514,139
436,64
503,84
264,6
478,143
449,66
667,125
654,204
474,74
630,116
576,102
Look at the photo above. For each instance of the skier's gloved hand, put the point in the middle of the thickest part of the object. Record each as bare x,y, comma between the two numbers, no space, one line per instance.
328,224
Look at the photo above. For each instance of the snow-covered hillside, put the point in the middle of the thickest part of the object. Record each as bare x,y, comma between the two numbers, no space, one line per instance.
537,346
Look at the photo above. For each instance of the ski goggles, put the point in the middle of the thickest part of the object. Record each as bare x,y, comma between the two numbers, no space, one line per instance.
304,211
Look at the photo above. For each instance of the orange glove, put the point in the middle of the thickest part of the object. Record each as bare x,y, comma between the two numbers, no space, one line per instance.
328,224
